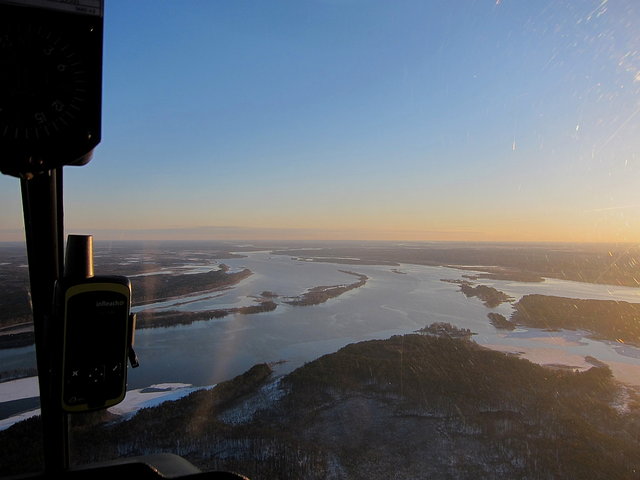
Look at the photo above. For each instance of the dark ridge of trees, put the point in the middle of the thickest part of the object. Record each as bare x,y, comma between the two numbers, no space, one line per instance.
442,329
412,406
17,340
500,321
112,258
529,421
17,373
168,318
146,289
468,375
269,294
152,288
22,450
605,319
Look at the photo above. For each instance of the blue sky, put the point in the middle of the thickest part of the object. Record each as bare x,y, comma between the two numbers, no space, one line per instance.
362,119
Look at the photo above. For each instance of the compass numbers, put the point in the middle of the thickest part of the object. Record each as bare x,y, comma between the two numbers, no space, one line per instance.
50,88
40,117
43,85
57,105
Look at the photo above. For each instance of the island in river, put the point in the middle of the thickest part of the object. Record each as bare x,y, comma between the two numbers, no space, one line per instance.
317,295
265,303
612,320
167,318
491,297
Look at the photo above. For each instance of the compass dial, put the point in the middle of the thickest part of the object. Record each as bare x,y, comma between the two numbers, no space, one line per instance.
50,89
43,84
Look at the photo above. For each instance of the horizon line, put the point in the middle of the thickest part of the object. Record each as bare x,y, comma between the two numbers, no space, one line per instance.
269,234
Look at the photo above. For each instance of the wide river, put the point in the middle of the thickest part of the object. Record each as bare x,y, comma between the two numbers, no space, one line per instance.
395,300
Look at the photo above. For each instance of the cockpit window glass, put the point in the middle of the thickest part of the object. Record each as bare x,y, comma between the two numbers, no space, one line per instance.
365,239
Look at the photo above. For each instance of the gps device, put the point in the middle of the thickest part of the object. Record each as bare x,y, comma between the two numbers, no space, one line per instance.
97,331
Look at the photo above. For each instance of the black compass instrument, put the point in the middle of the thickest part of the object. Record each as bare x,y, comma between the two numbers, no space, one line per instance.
50,87
50,108
50,117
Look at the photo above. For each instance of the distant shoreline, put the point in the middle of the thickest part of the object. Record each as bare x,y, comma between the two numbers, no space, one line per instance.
603,263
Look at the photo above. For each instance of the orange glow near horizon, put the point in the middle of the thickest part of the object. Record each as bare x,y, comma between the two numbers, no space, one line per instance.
497,230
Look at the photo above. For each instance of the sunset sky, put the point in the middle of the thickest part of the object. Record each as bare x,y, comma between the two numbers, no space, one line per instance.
362,119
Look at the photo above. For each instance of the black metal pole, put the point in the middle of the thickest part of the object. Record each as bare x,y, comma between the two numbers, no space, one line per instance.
42,208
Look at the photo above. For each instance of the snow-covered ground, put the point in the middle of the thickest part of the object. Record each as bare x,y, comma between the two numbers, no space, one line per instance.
133,401
19,389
